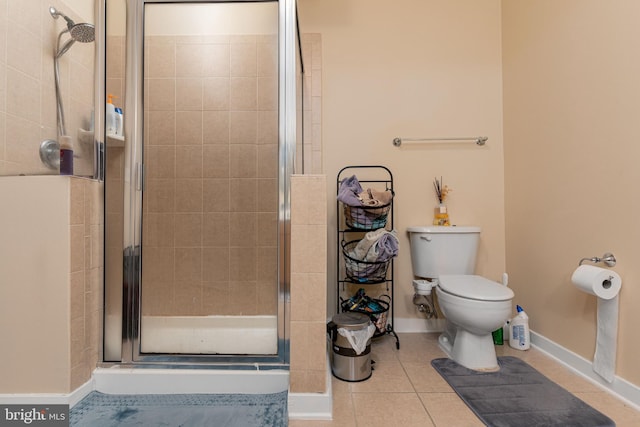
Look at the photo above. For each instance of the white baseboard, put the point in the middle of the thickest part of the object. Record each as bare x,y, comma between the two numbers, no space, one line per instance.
49,398
621,388
312,406
414,324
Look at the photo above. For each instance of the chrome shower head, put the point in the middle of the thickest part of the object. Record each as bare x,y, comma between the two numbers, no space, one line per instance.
83,32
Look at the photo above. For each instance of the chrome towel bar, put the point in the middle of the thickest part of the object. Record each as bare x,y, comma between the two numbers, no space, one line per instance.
479,140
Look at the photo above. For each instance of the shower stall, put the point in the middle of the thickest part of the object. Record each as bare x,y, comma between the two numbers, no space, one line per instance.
197,189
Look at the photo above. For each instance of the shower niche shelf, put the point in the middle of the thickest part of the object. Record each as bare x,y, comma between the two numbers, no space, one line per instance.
365,286
115,141
87,137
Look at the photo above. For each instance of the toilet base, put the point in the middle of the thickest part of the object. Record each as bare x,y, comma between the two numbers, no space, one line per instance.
472,351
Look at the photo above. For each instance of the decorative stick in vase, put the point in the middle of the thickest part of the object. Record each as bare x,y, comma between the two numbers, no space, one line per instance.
441,216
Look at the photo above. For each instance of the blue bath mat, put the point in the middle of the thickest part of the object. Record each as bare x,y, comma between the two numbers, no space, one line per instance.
518,396
185,410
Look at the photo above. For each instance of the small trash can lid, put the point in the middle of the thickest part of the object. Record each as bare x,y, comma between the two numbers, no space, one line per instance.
351,320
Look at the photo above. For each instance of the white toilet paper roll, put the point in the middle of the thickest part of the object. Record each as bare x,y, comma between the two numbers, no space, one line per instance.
604,359
605,284
597,281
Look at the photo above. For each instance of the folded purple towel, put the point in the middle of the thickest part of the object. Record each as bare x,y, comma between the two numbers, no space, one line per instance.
386,247
349,190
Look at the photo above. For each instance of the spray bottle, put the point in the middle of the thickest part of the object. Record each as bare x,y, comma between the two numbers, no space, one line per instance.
519,336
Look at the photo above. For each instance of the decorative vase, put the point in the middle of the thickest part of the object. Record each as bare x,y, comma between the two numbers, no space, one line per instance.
441,215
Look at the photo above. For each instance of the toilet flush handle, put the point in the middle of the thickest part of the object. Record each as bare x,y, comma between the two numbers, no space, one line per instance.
427,238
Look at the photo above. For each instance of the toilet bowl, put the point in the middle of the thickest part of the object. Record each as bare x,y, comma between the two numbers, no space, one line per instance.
474,307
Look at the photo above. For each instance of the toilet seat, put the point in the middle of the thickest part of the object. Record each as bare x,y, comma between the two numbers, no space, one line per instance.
474,287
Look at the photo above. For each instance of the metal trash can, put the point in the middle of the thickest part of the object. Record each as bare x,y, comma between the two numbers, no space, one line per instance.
346,363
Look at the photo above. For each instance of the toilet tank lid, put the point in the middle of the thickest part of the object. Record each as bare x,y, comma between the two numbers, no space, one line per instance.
474,287
443,229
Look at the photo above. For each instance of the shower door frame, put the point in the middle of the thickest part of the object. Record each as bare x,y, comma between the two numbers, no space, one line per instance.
134,186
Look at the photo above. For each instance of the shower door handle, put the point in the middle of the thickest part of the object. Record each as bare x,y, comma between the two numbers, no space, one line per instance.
139,176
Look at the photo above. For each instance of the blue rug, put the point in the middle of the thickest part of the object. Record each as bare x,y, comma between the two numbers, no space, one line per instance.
518,396
185,410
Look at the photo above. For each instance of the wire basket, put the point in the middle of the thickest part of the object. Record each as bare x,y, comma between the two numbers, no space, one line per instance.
376,308
359,271
366,217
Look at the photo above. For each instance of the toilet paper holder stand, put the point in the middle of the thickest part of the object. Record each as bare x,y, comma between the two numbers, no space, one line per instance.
607,258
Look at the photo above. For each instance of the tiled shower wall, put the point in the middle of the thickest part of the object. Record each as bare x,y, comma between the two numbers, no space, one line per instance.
187,145
308,283
28,36
86,268
309,153
211,157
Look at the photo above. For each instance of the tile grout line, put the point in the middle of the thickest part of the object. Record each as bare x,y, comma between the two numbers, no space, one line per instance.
414,388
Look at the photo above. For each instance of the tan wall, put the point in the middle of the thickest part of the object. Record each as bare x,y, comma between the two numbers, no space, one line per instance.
51,293
571,112
28,102
415,69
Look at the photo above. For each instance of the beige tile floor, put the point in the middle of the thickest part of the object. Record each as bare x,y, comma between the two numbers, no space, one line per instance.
405,391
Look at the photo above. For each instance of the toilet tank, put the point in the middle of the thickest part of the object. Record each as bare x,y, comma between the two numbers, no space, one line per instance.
443,250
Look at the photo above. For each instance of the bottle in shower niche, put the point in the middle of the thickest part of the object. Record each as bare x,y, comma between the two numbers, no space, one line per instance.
66,155
119,122
111,121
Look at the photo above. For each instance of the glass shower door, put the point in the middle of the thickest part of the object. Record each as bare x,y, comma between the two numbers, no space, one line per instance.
210,201
197,189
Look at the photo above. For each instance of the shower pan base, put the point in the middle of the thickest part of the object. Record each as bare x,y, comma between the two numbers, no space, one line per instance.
252,335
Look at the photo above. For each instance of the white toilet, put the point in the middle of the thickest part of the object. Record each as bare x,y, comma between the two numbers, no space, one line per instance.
473,305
